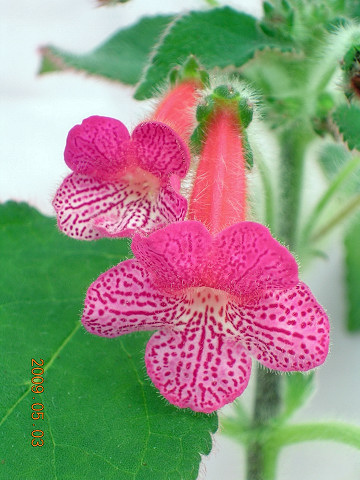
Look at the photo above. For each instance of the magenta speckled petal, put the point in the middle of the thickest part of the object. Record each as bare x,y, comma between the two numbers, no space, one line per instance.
98,147
285,331
160,150
88,208
245,258
146,214
196,369
175,255
123,300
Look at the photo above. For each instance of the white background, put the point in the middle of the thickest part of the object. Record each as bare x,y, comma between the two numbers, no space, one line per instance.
37,113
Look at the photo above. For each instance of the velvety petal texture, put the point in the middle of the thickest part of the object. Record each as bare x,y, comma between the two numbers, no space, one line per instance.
286,331
121,185
160,150
197,369
216,301
245,259
176,256
124,300
97,148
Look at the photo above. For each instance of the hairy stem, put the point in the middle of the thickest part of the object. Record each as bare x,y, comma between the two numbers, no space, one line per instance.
267,407
294,143
268,192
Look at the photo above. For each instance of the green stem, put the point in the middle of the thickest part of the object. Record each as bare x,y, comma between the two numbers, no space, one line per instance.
332,431
333,188
271,454
338,218
294,143
268,192
267,407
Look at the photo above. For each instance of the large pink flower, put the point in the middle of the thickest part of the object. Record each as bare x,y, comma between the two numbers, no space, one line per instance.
121,184
215,300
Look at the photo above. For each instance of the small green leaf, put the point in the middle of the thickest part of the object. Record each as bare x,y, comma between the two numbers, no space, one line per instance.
121,58
102,416
218,38
347,118
352,259
298,387
332,158
308,432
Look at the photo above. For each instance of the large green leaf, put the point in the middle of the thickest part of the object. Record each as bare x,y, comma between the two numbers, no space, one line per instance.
218,38
352,258
121,58
103,417
347,119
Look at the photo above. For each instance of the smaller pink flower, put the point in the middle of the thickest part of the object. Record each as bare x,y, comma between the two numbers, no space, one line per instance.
215,301
121,183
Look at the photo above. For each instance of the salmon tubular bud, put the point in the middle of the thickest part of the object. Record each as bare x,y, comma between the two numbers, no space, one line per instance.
178,106
218,198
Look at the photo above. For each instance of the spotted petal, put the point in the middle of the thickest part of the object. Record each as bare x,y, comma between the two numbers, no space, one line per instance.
175,255
88,208
98,147
197,369
245,259
285,331
124,300
159,150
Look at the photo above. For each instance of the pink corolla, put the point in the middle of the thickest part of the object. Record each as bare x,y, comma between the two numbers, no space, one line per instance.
216,301
120,183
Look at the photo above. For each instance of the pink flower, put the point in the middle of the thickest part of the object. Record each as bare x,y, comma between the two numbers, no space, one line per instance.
121,184
215,301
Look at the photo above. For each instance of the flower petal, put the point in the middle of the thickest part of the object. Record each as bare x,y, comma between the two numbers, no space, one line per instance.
123,300
159,150
285,331
175,255
88,208
145,214
97,148
245,259
197,369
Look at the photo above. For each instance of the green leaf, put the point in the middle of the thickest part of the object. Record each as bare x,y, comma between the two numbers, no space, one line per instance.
335,158
347,118
298,387
332,158
121,58
218,38
308,432
103,417
352,259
